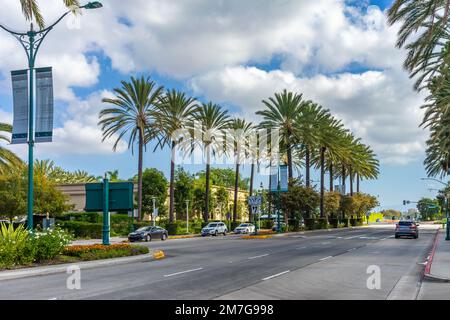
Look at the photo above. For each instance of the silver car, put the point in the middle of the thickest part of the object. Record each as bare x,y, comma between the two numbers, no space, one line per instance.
245,228
214,229
407,228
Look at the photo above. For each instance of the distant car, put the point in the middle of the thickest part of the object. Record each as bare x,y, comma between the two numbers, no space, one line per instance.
245,228
148,234
407,228
214,229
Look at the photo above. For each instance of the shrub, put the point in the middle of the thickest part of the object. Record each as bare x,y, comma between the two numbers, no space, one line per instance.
13,246
267,224
97,252
321,223
80,229
309,223
48,244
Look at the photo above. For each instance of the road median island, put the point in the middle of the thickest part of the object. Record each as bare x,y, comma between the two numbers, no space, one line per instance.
247,237
84,257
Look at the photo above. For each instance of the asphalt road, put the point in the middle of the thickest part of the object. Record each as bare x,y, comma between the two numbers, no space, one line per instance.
320,265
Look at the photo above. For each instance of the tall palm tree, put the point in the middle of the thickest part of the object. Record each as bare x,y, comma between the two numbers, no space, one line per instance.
132,115
7,158
173,114
280,114
31,11
437,161
426,22
240,131
214,121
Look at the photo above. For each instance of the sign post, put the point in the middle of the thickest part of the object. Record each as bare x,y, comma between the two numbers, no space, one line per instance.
255,203
279,183
106,227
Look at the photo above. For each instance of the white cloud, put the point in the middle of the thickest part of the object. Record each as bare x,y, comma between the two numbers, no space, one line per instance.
79,134
380,107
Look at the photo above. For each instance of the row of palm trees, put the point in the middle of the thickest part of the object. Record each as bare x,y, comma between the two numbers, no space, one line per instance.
142,111
424,33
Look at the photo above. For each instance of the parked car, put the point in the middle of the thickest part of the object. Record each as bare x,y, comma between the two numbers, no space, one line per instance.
245,228
148,234
407,228
214,229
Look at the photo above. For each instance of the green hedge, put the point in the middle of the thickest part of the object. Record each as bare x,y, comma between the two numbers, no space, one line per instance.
81,229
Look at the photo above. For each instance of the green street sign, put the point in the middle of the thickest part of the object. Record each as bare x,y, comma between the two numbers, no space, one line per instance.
120,197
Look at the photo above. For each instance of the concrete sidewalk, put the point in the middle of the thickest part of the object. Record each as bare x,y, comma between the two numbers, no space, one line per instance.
439,269
112,240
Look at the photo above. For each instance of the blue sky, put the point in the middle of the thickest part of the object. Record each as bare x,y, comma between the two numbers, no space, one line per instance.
345,59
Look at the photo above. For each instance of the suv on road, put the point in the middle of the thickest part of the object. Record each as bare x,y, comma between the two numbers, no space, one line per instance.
407,228
214,229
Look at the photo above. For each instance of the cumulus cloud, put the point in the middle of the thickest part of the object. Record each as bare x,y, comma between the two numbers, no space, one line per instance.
380,107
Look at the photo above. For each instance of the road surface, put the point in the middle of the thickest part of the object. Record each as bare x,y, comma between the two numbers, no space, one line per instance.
320,265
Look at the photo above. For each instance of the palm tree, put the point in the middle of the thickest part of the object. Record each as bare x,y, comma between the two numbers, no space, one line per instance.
437,161
240,131
7,158
132,115
173,114
31,11
428,50
281,112
213,122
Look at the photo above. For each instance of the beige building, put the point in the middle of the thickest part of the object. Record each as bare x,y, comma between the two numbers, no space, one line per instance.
76,194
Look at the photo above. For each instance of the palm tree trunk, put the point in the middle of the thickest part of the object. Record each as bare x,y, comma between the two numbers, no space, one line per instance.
140,165
252,178
357,183
236,190
322,181
343,179
208,172
308,167
289,156
172,185
331,177
351,180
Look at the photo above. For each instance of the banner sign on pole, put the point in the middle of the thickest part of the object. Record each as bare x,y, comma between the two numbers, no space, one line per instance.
284,178
273,179
44,105
20,102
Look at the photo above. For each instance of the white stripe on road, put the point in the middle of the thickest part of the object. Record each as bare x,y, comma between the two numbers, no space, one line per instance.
182,272
352,249
256,257
326,258
359,235
276,275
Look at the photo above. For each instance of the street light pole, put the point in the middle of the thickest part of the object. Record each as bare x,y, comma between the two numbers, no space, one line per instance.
154,211
446,203
31,41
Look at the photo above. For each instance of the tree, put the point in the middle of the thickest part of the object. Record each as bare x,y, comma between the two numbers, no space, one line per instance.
220,177
280,114
240,131
31,11
183,190
154,184
8,159
173,114
213,123
331,204
222,198
429,208
299,200
132,115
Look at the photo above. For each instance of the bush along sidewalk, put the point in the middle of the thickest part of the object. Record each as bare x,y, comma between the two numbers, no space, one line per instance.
21,248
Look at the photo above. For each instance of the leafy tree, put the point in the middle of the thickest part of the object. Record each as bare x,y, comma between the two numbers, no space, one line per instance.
224,178
429,208
222,198
389,214
332,203
131,115
154,184
299,200
184,190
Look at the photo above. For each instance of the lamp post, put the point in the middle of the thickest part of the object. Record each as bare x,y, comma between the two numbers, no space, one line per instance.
31,41
154,211
446,204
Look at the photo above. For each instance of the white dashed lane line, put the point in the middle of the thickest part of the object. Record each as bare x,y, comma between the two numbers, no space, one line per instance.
276,275
182,272
257,257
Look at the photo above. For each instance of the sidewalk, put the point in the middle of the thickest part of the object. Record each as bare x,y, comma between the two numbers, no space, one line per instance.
439,269
112,240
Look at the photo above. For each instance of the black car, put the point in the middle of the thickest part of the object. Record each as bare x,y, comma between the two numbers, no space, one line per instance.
148,234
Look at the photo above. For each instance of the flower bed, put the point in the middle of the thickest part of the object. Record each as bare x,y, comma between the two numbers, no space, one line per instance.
98,251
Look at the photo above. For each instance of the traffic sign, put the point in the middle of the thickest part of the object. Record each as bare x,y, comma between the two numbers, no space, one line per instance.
255,201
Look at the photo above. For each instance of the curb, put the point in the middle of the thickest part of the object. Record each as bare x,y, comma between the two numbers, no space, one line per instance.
427,274
257,237
62,268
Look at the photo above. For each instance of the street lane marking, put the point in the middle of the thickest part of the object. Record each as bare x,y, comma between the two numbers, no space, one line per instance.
276,275
352,249
52,299
326,258
256,257
359,235
182,272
